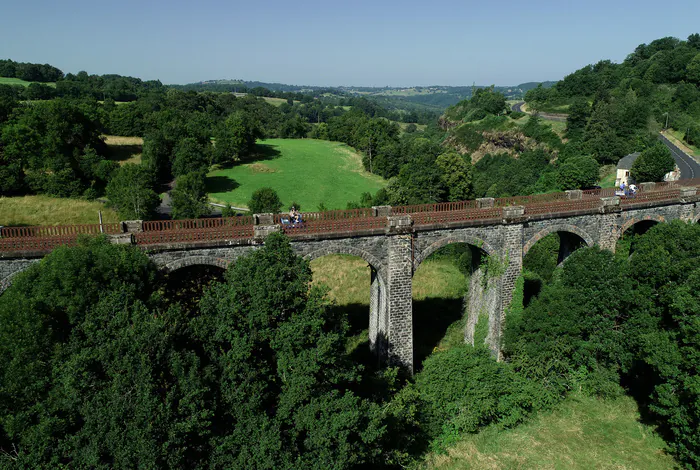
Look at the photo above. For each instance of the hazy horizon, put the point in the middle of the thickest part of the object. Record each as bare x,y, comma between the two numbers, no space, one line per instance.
396,44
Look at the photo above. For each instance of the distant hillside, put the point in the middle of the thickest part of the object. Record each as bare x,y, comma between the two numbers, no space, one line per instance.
428,98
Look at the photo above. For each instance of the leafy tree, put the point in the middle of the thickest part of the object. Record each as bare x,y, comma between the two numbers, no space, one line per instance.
264,200
190,156
284,377
156,156
578,173
189,196
235,138
652,164
84,363
130,191
456,175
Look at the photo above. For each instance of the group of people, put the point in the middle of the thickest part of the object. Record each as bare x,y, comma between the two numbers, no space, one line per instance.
627,190
294,219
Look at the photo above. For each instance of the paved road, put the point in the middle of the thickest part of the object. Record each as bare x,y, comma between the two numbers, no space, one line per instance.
546,116
688,166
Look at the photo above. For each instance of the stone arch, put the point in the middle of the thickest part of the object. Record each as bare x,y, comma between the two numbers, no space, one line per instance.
348,250
468,239
696,219
554,229
635,220
196,260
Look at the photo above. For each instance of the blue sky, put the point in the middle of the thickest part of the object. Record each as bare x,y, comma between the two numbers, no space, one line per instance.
370,43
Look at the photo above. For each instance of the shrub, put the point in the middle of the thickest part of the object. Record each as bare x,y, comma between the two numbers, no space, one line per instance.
265,200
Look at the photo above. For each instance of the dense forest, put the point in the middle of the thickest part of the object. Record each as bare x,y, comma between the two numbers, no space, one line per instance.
613,106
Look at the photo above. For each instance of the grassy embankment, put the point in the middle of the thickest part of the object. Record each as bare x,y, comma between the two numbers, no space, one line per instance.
46,210
677,138
17,81
307,171
582,432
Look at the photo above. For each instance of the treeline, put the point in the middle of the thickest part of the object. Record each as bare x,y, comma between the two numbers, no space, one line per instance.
30,72
612,106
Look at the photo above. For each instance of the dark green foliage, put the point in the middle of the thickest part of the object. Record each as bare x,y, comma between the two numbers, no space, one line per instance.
189,196
284,379
578,173
235,138
190,156
652,164
542,258
464,389
29,72
603,320
130,192
53,147
265,200
501,175
484,102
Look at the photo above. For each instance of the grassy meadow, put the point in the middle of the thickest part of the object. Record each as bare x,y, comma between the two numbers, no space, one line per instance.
581,433
17,81
306,171
45,210
124,149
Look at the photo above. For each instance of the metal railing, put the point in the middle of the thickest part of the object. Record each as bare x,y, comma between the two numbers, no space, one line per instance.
163,232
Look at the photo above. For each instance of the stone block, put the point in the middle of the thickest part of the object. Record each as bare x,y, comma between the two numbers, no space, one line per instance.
399,224
513,212
132,226
263,219
381,211
260,232
688,192
574,194
610,204
485,202
647,186
121,239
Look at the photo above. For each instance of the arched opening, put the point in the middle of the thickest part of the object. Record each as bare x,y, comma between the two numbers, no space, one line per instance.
544,253
629,234
358,291
185,285
451,301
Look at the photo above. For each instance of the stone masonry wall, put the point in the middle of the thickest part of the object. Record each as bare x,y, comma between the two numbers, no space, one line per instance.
10,268
400,303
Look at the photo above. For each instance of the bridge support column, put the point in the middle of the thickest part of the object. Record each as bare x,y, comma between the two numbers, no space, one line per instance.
400,303
484,301
512,265
607,235
378,327
568,243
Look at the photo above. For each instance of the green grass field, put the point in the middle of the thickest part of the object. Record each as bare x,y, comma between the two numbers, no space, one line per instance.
17,81
45,210
306,171
581,433
124,149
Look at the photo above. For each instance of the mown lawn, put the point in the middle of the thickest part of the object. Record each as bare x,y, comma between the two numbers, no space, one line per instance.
581,433
45,210
309,172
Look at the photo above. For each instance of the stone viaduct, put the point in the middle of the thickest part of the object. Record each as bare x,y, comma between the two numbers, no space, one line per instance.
394,241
